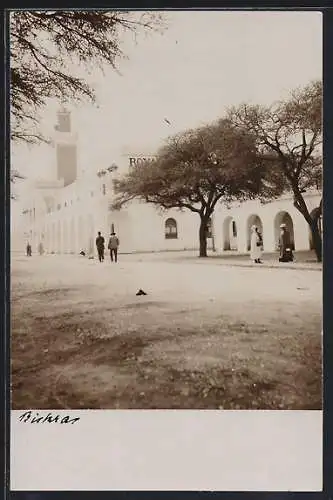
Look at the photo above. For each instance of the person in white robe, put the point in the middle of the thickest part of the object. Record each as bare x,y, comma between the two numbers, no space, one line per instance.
256,245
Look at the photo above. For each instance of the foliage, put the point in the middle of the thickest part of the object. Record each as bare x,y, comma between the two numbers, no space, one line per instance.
289,136
47,46
196,169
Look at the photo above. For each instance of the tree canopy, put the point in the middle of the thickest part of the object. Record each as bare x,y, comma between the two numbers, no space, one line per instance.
196,169
289,136
45,46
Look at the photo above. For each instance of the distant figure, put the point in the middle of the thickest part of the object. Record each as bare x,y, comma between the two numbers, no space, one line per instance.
285,247
29,250
140,292
100,246
256,245
113,247
40,248
83,253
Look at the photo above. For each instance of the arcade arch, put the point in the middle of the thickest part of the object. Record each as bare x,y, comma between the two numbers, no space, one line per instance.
59,239
80,238
284,218
90,234
47,239
253,220
230,234
66,237
72,236
53,237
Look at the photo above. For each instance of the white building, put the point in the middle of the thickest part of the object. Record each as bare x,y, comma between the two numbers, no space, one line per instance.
66,214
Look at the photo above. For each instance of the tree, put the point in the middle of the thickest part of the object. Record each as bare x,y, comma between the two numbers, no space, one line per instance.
197,169
289,135
47,48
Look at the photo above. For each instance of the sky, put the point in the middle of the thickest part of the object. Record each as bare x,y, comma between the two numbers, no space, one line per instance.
205,62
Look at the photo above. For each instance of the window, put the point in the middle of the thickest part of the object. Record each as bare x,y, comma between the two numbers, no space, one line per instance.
171,229
104,189
91,193
234,229
65,203
58,206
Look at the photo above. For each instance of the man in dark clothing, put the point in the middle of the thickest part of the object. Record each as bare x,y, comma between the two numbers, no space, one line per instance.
113,247
286,254
100,246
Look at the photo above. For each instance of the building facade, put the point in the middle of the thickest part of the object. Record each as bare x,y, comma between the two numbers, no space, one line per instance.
65,214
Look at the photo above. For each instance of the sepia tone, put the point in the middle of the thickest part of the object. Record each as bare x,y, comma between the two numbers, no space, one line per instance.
177,309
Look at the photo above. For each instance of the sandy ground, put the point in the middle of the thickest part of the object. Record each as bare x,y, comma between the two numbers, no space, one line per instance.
206,335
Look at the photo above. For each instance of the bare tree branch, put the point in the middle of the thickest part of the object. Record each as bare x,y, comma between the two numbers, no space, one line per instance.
42,41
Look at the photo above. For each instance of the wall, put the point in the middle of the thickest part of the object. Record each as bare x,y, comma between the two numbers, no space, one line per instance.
141,227
268,217
85,210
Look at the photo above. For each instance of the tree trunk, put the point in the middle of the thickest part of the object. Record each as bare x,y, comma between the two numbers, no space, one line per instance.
203,237
316,239
300,204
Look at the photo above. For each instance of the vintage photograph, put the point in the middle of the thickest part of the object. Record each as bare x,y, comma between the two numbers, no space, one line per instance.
166,209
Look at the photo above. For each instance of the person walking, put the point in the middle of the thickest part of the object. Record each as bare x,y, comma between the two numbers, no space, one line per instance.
285,247
256,245
113,247
100,246
28,249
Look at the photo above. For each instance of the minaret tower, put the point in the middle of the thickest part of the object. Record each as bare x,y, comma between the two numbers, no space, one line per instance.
66,148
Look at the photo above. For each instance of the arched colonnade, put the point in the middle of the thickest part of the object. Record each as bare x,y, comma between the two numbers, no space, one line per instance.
231,231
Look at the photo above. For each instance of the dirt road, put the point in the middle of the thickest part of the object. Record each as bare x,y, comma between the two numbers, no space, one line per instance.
205,336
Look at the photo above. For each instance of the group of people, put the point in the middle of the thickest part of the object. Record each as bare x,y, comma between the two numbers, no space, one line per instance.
113,245
100,244
285,245
256,247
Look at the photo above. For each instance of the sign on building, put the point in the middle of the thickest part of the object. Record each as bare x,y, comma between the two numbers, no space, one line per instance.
135,161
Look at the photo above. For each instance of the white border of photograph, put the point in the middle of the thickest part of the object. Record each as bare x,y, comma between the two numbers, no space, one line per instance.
168,450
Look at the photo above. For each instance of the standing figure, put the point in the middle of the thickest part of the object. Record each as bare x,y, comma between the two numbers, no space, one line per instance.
113,246
256,245
285,247
100,246
28,249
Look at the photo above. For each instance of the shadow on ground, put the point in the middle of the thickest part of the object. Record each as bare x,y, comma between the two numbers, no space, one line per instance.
153,354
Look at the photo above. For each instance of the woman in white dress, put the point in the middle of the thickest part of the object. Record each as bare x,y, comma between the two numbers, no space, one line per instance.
256,245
